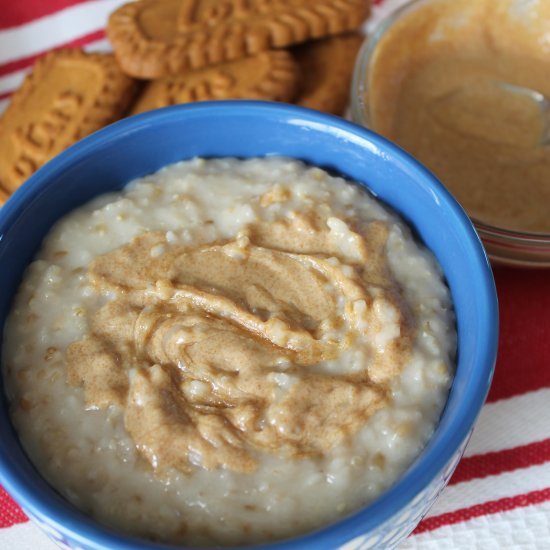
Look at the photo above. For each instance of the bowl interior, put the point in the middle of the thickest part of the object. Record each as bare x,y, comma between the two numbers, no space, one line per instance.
140,145
504,245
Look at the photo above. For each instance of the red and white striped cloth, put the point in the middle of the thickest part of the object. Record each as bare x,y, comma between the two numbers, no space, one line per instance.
499,497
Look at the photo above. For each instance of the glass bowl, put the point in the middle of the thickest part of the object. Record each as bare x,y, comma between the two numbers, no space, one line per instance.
504,245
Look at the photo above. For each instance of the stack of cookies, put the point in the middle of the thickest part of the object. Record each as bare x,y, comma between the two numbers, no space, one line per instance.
176,51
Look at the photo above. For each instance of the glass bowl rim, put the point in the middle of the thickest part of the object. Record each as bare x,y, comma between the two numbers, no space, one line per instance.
524,241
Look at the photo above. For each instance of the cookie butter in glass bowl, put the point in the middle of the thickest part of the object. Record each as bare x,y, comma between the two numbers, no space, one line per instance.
462,85
216,294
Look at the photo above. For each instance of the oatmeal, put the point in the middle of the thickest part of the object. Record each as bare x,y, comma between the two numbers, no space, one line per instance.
228,352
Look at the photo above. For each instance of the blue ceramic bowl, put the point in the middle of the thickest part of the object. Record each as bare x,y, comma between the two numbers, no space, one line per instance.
140,145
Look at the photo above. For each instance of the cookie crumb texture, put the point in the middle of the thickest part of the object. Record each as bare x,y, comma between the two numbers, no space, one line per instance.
269,75
326,69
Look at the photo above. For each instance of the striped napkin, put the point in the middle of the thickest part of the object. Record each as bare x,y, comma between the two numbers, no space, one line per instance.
499,496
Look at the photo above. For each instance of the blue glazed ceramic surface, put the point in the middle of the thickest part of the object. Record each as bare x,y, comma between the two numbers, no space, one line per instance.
140,145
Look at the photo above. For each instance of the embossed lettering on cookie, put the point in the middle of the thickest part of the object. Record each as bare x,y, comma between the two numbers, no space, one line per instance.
68,95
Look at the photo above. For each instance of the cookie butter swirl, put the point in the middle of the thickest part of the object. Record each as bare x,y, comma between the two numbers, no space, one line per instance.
220,351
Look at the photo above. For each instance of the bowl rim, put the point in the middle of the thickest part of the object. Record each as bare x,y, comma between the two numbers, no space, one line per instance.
534,245
439,450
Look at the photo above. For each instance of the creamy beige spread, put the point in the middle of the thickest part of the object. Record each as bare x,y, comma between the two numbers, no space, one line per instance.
228,352
463,85
206,331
